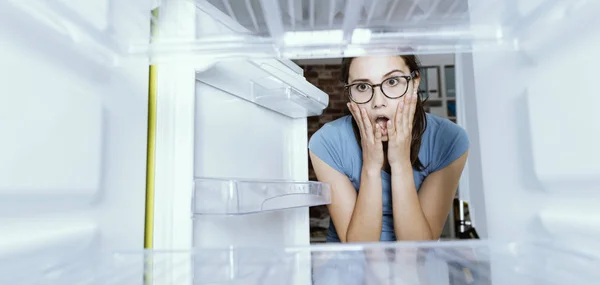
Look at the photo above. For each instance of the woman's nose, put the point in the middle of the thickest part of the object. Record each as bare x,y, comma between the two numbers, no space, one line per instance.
379,100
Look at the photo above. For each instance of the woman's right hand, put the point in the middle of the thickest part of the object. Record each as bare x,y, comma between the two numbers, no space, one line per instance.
372,147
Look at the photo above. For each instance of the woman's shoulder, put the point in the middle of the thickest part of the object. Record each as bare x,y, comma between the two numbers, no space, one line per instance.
443,142
331,144
336,128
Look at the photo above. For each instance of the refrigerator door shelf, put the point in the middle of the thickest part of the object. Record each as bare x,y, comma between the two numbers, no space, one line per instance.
457,262
246,196
268,83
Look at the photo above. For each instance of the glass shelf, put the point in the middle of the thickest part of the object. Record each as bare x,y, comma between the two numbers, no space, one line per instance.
292,28
298,29
451,262
243,196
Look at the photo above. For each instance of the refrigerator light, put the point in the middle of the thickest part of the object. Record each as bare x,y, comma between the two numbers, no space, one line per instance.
361,36
313,37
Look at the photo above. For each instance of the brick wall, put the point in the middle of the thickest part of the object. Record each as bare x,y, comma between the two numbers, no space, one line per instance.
326,78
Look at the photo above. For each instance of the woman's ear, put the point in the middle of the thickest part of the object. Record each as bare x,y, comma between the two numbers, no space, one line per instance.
416,81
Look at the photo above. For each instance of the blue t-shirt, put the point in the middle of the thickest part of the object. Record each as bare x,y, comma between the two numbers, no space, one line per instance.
335,144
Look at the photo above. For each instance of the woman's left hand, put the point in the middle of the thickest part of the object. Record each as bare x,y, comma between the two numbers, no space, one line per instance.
400,131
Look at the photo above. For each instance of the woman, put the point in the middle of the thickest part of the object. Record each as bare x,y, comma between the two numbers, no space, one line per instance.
393,169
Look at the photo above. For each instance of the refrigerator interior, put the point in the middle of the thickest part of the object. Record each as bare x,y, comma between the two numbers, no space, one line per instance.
75,112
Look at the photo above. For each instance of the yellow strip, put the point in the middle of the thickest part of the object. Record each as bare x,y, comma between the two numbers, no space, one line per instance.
149,220
150,164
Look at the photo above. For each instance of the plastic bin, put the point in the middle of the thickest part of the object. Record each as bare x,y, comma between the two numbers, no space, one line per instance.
240,196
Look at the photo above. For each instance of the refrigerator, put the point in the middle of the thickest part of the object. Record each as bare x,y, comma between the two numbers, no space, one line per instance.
165,141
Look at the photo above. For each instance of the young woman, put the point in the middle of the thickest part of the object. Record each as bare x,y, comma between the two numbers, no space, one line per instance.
392,167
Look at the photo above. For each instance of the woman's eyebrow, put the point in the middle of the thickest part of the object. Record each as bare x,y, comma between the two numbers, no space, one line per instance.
393,71
385,75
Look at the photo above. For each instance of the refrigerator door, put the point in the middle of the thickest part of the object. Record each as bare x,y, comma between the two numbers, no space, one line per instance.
231,155
73,147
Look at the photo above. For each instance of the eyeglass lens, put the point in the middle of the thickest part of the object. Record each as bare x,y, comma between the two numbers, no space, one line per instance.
392,87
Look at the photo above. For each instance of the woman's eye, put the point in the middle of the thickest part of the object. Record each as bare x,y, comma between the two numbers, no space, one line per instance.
362,87
392,82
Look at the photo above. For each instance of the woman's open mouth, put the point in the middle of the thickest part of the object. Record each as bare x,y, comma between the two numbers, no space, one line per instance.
382,122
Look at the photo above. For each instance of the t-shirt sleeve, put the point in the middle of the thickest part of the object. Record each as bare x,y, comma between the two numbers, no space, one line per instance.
450,142
325,143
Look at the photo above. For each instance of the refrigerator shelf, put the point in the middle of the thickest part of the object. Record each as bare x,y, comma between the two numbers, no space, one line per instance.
218,29
454,262
270,83
299,29
244,196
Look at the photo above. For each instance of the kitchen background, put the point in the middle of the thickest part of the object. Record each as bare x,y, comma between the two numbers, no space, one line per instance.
437,87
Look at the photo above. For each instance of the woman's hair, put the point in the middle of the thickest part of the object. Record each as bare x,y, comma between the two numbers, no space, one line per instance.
419,121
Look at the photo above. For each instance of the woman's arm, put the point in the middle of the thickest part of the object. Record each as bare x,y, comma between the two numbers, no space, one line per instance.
356,219
422,216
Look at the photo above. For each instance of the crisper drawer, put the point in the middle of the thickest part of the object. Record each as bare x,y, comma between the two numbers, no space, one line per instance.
453,263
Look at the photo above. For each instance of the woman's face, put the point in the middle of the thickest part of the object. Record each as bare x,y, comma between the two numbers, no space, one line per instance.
376,70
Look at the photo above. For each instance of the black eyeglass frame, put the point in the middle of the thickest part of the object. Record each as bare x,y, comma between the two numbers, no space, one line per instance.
380,85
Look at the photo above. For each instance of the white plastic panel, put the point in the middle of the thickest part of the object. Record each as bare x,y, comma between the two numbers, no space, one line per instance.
565,131
538,135
56,135
236,138
101,29
73,146
537,127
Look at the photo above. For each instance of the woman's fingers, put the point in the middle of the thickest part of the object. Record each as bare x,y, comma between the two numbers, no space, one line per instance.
391,129
367,125
378,134
357,117
411,112
398,116
408,99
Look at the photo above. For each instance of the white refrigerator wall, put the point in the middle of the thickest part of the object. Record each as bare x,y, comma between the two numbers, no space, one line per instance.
539,134
235,138
73,147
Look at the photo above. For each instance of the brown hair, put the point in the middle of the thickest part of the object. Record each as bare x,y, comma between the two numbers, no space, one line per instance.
419,121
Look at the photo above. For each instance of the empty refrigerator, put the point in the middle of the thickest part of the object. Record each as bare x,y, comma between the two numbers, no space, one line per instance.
74,115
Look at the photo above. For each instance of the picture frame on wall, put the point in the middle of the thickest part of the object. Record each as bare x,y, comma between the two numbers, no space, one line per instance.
450,81
431,82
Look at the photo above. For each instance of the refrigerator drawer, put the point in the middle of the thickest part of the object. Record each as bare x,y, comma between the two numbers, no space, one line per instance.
234,197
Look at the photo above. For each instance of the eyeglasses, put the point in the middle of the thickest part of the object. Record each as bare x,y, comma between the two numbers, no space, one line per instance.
393,87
